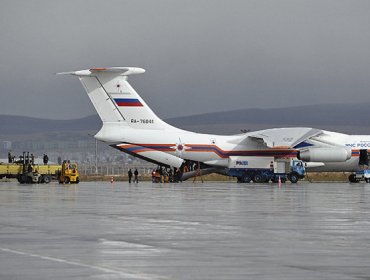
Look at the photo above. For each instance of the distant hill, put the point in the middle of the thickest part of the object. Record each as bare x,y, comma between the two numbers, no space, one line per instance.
73,139
345,118
27,125
350,118
310,115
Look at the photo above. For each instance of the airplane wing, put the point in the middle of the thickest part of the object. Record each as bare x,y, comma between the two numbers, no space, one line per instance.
284,137
314,145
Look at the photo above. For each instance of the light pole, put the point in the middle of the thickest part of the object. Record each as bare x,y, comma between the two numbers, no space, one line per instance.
96,153
96,156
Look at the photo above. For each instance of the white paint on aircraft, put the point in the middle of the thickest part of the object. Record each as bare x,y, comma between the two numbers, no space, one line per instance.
131,126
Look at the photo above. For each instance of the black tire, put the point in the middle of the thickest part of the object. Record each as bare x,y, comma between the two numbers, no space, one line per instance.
29,180
77,180
24,179
352,178
258,178
66,180
367,180
294,177
46,179
59,173
246,178
265,178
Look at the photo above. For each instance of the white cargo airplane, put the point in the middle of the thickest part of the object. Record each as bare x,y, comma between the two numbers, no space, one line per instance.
131,126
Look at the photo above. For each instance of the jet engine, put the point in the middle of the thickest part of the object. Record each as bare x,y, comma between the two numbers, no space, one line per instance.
325,154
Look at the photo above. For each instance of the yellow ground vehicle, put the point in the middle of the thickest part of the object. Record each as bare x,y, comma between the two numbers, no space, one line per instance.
68,174
28,174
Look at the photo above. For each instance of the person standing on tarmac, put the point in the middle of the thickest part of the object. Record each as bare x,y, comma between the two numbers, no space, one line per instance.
161,179
45,159
129,175
10,157
136,173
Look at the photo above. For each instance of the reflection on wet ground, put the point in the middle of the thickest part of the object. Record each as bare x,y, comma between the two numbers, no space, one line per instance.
184,231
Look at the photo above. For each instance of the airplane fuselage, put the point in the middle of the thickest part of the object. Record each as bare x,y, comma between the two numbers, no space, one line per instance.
215,150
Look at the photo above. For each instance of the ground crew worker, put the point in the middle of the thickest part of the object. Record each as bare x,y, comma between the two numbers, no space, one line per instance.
153,176
45,159
10,158
161,177
170,176
136,173
129,175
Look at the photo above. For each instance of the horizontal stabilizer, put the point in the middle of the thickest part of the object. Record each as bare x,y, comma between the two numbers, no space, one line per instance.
121,71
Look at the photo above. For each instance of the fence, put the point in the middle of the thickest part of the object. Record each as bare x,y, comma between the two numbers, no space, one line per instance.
114,169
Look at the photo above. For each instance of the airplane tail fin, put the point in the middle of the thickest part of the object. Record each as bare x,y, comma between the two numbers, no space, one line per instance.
115,100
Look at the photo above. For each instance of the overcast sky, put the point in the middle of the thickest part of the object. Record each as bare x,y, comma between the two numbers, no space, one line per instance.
200,56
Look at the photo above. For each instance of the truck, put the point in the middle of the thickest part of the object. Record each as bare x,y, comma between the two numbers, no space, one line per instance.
360,175
363,172
265,169
26,172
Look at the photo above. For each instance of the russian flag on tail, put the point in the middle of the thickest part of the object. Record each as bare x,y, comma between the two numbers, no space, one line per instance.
131,102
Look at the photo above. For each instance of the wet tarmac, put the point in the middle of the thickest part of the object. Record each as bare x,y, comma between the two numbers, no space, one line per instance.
184,231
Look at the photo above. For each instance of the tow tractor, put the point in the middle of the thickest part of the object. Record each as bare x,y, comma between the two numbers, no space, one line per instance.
68,174
265,169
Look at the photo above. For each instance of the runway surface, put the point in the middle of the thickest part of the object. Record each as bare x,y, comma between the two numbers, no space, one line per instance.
184,231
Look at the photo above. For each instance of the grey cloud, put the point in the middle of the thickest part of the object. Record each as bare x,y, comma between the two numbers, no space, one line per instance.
200,56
